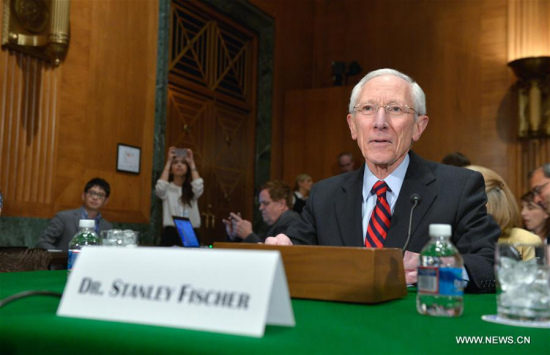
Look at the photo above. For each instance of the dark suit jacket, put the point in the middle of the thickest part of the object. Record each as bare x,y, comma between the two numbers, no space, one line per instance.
280,226
450,195
62,229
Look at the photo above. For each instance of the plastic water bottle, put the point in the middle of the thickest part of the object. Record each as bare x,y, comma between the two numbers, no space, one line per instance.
85,236
440,282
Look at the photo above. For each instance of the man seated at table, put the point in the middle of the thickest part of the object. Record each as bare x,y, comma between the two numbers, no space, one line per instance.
387,113
540,186
64,225
276,207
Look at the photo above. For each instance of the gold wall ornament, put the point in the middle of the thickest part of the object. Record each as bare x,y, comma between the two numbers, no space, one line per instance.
37,27
533,96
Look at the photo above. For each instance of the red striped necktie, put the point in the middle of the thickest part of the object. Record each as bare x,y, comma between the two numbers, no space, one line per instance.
380,219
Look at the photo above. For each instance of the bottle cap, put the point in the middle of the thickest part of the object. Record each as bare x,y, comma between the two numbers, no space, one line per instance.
443,230
86,223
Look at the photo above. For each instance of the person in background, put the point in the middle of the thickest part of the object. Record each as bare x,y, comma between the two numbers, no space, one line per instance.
455,159
539,180
64,225
387,114
275,200
179,187
301,191
535,219
345,162
501,204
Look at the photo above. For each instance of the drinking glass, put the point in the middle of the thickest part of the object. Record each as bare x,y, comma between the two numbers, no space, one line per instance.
119,238
523,281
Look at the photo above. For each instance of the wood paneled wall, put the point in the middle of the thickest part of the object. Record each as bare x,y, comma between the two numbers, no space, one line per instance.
294,33
456,50
60,126
312,143
28,113
528,29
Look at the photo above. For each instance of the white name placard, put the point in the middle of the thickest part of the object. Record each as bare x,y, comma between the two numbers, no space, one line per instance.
226,291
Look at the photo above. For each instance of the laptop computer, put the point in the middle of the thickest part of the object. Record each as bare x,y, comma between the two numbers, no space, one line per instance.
186,232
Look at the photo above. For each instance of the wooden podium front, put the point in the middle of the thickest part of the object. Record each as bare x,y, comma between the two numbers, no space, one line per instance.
346,274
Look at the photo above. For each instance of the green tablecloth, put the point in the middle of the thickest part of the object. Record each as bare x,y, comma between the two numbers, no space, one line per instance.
30,326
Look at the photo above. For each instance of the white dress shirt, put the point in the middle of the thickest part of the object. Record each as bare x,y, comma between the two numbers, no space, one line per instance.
394,182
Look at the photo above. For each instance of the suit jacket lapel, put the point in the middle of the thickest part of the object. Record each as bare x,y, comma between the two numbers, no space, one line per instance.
347,207
417,179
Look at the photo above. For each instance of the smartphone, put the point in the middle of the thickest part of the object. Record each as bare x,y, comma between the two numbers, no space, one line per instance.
181,152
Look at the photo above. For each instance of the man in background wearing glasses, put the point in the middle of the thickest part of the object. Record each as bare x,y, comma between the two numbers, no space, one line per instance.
64,225
371,206
540,186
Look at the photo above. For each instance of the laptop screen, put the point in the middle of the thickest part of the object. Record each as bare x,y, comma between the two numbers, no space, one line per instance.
186,232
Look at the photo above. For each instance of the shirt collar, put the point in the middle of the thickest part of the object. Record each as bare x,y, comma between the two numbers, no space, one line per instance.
394,180
84,215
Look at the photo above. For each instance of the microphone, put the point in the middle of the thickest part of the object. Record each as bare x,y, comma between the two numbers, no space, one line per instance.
415,200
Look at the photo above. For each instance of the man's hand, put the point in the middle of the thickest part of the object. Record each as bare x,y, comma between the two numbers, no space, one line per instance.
229,229
411,261
279,239
235,226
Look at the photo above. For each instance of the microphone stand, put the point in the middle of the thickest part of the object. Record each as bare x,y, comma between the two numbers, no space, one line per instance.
415,200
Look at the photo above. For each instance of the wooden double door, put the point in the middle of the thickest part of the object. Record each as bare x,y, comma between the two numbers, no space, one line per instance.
211,108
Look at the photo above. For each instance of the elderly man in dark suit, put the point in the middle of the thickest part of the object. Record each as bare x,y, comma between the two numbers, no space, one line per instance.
387,114
64,225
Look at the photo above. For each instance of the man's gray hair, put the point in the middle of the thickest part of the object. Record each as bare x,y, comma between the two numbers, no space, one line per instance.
418,96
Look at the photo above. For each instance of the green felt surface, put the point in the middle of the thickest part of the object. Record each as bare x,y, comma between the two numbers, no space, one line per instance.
30,326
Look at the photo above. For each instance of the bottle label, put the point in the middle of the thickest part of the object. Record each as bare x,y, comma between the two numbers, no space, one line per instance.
72,258
428,279
446,281
450,281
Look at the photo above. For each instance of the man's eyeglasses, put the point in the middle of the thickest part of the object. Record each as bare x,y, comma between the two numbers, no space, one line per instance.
391,109
99,195
537,190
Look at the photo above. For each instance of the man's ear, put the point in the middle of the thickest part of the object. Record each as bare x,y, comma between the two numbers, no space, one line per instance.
282,203
419,127
352,128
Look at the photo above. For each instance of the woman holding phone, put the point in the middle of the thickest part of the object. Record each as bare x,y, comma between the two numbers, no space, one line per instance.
179,187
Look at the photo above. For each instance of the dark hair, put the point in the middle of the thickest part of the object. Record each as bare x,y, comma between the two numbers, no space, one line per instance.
100,183
278,190
456,159
186,189
529,197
